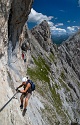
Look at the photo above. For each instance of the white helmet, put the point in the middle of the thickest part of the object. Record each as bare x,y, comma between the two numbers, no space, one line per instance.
24,79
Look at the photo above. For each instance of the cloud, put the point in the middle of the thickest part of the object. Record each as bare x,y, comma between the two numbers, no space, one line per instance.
36,17
57,30
79,3
62,10
68,21
70,28
59,24
73,28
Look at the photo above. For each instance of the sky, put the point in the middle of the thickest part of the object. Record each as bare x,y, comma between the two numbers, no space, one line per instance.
63,16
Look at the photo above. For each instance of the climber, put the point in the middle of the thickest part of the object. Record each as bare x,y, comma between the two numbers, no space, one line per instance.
26,93
22,55
25,46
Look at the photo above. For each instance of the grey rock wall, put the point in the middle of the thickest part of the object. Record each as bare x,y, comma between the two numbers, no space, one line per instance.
18,15
42,34
11,113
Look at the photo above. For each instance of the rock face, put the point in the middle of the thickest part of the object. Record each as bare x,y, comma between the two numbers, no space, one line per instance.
62,78
70,51
55,70
70,58
13,15
42,33
18,15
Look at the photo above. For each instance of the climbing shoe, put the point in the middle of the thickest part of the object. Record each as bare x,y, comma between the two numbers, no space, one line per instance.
24,111
21,106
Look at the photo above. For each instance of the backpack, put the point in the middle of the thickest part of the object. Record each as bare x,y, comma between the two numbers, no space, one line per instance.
32,84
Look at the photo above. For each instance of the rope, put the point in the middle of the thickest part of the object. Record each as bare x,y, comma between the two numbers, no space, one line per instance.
7,102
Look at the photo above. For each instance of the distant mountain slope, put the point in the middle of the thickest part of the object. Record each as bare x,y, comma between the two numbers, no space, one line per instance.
59,68
58,39
70,52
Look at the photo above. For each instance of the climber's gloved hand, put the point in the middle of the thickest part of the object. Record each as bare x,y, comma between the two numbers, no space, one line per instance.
16,89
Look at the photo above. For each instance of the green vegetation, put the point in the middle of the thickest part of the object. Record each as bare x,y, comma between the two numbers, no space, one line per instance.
78,83
41,70
63,84
63,75
56,97
51,115
57,86
52,57
41,90
57,102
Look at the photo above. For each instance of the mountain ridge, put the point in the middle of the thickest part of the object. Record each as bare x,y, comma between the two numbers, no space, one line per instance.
56,100
64,63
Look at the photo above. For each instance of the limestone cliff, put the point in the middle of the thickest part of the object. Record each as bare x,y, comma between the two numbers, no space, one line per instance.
13,15
42,34
55,71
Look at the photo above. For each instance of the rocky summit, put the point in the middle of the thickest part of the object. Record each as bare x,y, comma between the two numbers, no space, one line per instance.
54,70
